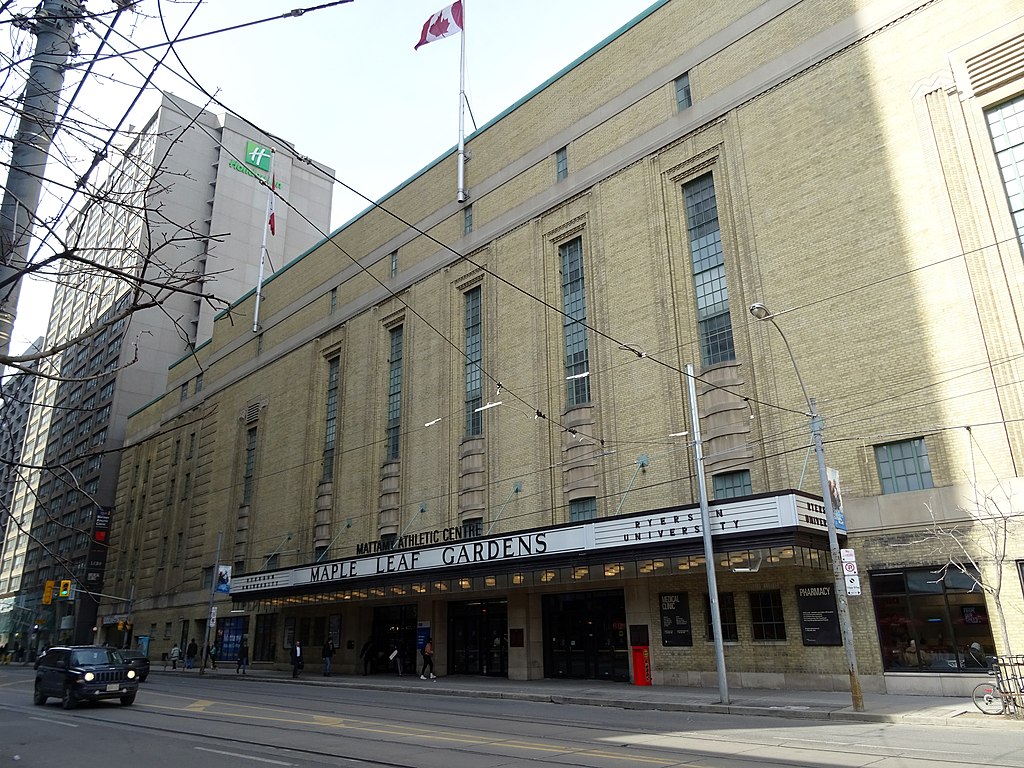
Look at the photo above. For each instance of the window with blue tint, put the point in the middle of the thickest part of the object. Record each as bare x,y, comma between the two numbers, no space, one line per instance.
249,472
467,219
582,509
713,320
903,466
730,485
561,163
683,99
574,305
1005,123
474,357
394,393
331,421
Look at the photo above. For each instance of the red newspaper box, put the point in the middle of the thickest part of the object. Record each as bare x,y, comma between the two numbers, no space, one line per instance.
641,665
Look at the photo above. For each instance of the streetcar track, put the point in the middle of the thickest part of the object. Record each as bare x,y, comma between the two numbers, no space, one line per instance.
319,714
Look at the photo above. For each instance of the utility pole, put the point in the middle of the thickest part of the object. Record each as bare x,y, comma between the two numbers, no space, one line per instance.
53,25
210,617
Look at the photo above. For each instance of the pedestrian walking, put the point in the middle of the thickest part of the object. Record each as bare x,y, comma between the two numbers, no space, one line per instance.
191,651
327,653
175,655
296,657
211,653
366,654
428,660
243,656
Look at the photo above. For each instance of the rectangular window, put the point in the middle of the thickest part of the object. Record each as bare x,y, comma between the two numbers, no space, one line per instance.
474,355
186,486
903,466
199,383
184,391
766,619
727,612
1004,126
731,485
206,580
249,472
582,509
713,321
191,445
394,263
334,300
561,163
683,91
574,305
331,423
467,219
394,394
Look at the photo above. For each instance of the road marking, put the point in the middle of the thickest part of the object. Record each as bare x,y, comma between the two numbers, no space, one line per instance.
54,722
244,757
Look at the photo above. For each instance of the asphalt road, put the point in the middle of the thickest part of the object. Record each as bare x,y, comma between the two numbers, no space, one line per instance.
227,721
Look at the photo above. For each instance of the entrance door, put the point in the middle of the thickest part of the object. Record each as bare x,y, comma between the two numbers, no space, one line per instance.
394,629
585,636
478,638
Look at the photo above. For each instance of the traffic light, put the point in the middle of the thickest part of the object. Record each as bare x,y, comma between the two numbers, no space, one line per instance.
65,588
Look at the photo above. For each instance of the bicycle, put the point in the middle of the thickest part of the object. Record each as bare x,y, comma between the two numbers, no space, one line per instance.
987,697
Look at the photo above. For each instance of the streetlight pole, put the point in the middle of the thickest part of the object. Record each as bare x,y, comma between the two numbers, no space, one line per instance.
761,312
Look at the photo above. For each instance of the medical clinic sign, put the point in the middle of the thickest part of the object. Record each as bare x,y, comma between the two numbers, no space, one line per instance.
765,513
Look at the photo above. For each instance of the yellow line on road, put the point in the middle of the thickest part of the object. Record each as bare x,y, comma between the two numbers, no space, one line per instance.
292,717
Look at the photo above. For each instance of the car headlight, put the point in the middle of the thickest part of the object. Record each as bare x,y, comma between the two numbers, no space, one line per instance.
131,674
88,677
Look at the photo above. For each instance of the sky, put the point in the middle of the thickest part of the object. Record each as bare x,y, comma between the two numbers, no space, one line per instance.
343,84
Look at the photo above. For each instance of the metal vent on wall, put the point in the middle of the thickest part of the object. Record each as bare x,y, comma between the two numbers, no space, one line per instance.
252,412
997,66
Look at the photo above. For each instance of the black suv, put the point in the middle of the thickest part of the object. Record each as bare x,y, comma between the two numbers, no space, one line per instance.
75,673
138,660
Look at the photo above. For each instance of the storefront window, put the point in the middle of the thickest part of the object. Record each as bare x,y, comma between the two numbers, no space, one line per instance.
927,620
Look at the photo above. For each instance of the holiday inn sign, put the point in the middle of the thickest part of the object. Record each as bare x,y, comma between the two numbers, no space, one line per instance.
257,158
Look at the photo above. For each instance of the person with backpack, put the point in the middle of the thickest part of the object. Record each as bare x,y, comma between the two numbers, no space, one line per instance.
428,659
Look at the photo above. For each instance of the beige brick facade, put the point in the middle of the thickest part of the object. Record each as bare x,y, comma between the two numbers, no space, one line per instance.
856,189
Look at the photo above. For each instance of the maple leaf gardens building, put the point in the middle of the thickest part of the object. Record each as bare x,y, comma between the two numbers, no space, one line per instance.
463,420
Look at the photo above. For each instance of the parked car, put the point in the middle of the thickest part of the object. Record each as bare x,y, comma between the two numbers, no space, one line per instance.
76,673
138,660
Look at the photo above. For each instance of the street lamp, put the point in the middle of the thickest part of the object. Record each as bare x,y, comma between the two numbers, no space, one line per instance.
761,312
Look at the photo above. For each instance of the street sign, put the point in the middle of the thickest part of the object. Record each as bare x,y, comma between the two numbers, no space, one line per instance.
847,555
213,616
850,569
48,592
853,585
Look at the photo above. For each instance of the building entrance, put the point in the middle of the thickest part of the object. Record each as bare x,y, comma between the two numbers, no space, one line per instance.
585,636
478,638
394,629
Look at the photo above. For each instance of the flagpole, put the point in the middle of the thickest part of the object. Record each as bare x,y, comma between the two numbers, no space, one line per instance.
263,248
461,196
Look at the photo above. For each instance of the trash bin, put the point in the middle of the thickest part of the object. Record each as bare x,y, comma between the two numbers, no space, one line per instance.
641,665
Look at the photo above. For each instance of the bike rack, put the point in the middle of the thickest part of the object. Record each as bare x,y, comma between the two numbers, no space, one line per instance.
1009,674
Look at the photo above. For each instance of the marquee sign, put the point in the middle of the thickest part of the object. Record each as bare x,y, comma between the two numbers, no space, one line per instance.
752,515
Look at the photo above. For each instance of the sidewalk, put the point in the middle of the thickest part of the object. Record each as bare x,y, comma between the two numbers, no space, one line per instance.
814,705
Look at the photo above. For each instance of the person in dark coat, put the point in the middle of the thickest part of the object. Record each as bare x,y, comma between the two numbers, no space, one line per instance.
367,654
327,653
297,657
191,651
243,656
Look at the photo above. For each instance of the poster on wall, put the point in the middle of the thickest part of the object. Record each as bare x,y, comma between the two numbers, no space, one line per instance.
676,630
819,615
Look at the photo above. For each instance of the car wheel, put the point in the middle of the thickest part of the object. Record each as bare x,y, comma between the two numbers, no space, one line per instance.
143,678
38,697
68,700
128,699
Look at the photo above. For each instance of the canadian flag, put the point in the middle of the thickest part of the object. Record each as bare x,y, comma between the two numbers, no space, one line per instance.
442,24
271,221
